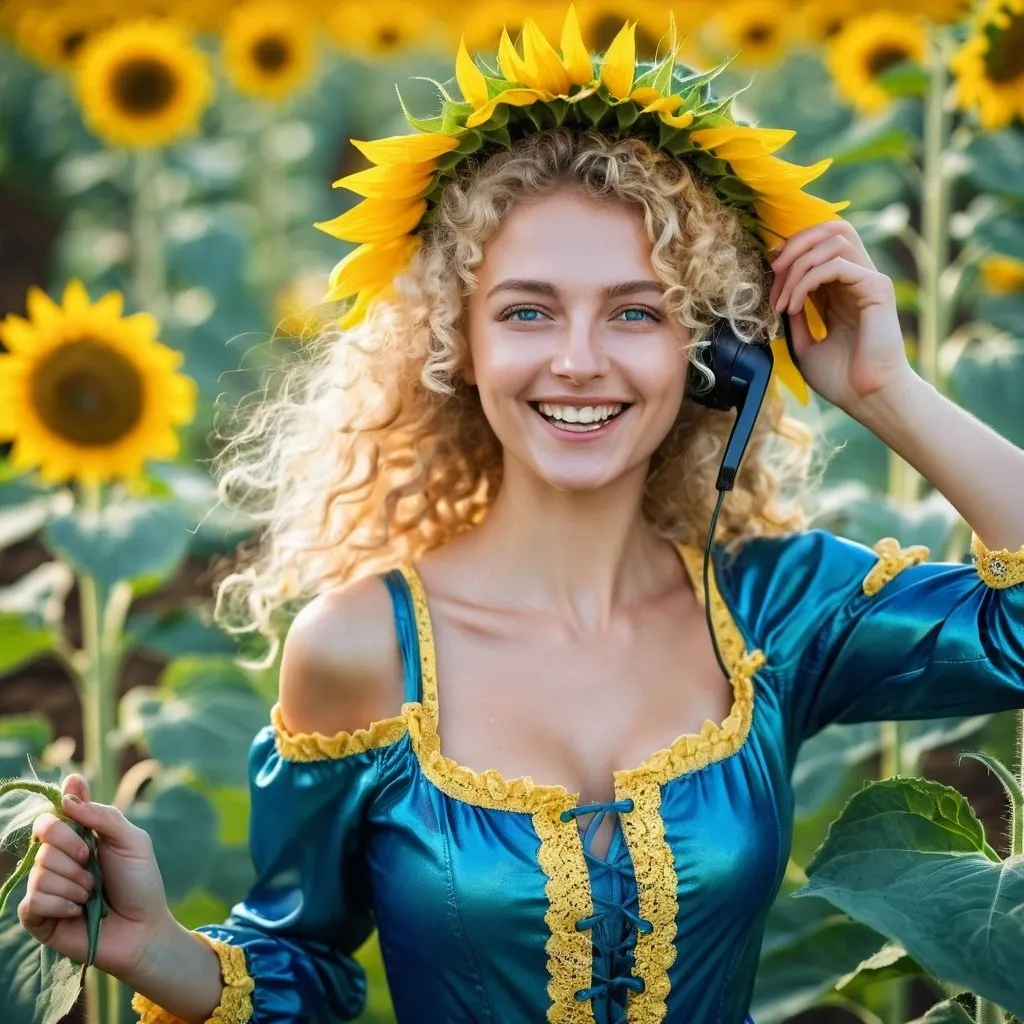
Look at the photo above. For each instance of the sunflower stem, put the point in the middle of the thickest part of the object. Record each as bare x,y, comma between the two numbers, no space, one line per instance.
102,617
149,268
989,1013
271,194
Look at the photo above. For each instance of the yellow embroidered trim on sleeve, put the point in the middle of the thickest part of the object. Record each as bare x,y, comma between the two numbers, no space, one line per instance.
235,1006
999,569
892,560
304,746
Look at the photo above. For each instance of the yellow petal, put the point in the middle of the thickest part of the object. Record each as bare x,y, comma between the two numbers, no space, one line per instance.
112,305
739,141
785,215
819,332
357,310
543,61
369,266
472,83
406,149
653,101
397,181
18,334
771,176
575,56
512,65
375,220
784,371
620,62
683,120
513,97
76,298
42,310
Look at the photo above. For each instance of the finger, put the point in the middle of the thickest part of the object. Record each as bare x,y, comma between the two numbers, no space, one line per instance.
829,249
39,907
47,883
840,270
77,785
51,831
806,239
107,822
58,862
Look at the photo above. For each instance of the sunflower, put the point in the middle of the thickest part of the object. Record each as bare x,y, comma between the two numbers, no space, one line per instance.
87,393
269,50
869,45
989,67
1002,275
379,30
822,20
55,37
143,83
757,31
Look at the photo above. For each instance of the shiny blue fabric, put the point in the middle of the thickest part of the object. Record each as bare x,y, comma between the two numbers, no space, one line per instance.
455,890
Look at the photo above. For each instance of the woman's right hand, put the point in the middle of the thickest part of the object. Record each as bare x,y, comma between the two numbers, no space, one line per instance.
59,884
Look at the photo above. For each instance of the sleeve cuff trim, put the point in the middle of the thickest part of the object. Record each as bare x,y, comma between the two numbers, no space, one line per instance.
999,569
235,1006
892,560
316,746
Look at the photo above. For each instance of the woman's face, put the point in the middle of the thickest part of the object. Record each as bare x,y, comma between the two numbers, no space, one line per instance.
580,371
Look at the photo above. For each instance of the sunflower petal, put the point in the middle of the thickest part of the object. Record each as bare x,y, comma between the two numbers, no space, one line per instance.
406,149
76,298
655,102
787,214
513,67
375,220
620,62
513,97
358,309
815,324
18,334
472,83
395,181
739,141
112,305
683,120
771,176
575,57
784,371
42,310
369,266
542,60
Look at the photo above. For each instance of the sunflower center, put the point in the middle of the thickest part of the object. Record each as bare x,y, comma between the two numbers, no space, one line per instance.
388,36
1004,61
759,32
71,43
270,53
884,57
88,393
144,86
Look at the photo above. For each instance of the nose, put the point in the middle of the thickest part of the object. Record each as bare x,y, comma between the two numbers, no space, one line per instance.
580,355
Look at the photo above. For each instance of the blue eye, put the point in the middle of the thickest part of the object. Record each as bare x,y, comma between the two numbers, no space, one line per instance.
641,314
528,315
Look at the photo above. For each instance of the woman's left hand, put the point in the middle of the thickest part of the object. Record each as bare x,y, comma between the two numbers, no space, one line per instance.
864,351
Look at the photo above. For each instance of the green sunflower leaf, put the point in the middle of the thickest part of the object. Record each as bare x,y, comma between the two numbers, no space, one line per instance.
449,161
470,142
594,108
712,166
499,136
453,117
559,108
658,76
735,189
626,114
423,124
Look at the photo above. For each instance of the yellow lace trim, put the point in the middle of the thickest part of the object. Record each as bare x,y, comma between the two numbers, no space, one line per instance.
892,560
315,746
999,569
235,1006
570,952
657,890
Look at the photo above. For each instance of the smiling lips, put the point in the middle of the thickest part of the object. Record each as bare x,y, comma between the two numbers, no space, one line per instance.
578,419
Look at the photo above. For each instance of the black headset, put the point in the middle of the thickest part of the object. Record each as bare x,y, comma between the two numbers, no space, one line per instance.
742,372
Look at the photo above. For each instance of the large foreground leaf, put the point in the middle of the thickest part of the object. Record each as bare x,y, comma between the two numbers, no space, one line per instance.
909,858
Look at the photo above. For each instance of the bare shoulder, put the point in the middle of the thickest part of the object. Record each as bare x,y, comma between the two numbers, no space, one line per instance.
341,668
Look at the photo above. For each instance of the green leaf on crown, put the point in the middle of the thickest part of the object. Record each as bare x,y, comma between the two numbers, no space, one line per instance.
626,114
657,76
470,142
453,117
498,136
434,125
594,108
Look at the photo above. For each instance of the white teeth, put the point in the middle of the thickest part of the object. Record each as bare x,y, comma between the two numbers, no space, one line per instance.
579,413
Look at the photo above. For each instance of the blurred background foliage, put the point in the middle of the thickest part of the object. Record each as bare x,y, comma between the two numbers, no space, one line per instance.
178,152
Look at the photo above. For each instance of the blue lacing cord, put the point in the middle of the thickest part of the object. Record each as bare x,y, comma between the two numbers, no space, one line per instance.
642,925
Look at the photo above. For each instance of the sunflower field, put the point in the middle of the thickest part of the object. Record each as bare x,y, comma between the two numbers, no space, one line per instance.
162,163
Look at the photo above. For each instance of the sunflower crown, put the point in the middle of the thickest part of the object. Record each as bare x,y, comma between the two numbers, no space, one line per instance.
666,104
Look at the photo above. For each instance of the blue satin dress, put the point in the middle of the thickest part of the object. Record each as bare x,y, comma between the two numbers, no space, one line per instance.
489,904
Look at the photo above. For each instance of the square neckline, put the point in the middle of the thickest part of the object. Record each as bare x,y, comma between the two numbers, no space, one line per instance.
688,752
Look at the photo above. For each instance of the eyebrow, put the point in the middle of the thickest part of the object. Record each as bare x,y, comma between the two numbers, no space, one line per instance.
612,291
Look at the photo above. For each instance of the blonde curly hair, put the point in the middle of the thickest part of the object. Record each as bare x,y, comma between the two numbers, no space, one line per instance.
373,449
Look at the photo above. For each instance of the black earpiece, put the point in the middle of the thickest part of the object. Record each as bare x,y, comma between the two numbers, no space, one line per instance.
742,372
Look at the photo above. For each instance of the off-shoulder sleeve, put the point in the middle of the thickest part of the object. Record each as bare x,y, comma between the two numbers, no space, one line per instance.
857,634
285,950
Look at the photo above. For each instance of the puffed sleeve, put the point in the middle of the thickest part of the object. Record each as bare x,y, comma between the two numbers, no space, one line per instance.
859,634
285,950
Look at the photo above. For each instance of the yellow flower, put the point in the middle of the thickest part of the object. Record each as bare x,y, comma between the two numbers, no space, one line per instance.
757,31
1002,275
869,45
142,83
86,393
54,37
378,30
298,308
822,20
602,20
989,67
269,49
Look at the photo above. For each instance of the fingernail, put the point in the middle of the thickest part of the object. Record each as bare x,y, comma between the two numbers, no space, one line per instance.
72,799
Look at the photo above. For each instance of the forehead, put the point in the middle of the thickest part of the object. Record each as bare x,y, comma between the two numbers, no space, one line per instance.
568,235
